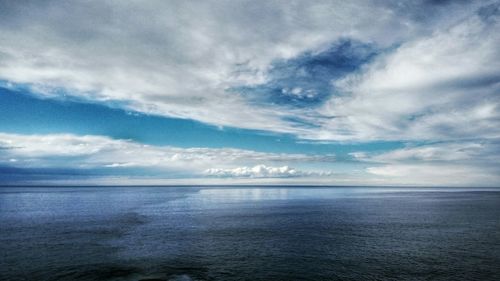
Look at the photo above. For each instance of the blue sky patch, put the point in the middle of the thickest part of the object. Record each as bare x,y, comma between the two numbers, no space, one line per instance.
306,81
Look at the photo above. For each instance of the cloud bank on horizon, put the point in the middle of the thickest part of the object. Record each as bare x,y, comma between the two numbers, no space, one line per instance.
421,77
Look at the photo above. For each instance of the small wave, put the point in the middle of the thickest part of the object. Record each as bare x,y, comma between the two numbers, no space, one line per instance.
182,277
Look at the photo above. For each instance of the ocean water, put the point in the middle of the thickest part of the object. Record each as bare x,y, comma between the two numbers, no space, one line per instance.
249,233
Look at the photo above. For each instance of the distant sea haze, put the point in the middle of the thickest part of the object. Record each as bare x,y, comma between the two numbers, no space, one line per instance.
249,233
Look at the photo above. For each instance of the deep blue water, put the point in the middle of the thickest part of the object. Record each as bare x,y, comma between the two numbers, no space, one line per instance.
235,233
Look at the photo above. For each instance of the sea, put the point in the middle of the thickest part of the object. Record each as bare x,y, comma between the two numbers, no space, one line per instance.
249,233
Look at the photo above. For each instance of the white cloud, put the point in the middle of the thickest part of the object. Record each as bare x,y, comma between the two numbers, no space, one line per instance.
435,175
258,171
263,171
179,58
440,87
437,79
469,163
97,152
483,152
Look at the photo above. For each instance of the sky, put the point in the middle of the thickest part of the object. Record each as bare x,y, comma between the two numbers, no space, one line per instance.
358,92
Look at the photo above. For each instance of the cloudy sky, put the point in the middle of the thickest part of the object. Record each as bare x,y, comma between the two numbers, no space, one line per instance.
261,92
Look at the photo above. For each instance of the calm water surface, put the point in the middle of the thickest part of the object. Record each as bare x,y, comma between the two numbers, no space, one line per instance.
190,233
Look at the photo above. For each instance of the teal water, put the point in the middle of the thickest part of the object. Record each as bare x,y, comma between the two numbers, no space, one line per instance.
250,233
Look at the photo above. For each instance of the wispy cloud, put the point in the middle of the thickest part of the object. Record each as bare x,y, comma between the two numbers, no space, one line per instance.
456,163
99,152
439,87
186,59
425,74
479,151
67,156
434,175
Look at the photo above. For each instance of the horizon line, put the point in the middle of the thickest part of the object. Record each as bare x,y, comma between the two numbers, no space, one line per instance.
244,185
